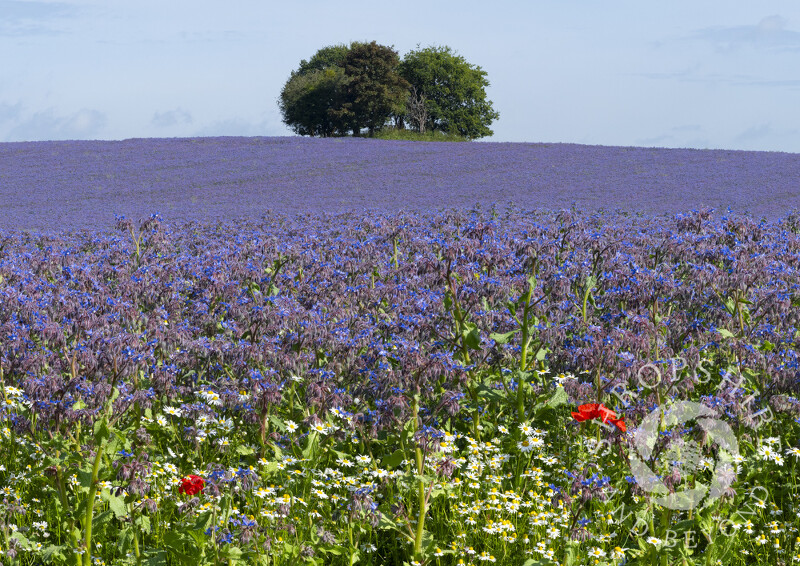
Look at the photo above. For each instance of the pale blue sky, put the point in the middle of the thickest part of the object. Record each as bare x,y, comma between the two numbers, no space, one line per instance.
683,73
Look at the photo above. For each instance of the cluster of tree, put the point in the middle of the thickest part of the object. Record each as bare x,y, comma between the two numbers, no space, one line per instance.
365,86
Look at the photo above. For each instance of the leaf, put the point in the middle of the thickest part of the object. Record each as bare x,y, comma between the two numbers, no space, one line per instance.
244,450
125,540
231,552
393,460
559,398
204,521
21,538
488,393
100,520
726,333
155,558
101,432
766,346
503,338
311,446
115,504
52,552
144,523
471,336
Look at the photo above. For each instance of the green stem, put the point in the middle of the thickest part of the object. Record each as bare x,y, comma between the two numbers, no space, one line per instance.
523,363
87,519
420,485
135,534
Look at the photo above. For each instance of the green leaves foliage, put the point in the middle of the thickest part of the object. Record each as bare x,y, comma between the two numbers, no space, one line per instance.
344,89
453,90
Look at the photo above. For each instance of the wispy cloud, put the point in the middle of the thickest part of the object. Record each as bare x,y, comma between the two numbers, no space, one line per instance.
171,118
686,135
697,75
242,127
770,32
48,125
33,18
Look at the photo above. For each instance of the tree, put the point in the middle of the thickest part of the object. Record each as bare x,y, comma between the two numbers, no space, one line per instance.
315,89
329,57
416,111
453,90
374,88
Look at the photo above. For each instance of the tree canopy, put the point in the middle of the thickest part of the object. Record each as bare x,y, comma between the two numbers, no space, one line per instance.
343,89
453,91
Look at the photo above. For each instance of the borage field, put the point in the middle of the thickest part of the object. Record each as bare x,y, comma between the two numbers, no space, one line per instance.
420,382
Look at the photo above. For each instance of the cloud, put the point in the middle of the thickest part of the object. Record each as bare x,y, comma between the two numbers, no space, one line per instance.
33,18
676,136
242,127
10,113
769,32
171,118
47,125
755,133
696,75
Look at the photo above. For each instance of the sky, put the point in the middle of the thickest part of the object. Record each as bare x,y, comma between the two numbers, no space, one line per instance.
721,74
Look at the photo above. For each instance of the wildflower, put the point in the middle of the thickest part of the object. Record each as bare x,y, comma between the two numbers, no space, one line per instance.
291,426
597,552
599,411
618,553
320,428
654,541
191,485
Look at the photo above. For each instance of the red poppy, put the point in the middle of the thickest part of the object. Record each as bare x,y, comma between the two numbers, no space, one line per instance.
599,411
191,485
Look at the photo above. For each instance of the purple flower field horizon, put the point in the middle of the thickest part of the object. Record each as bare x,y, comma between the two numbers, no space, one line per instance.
57,186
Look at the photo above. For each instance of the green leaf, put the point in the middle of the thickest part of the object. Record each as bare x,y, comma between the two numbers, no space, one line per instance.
115,504
125,540
21,538
726,333
488,393
155,558
144,523
311,449
503,338
541,353
392,460
101,432
100,520
244,450
277,423
231,552
471,336
559,398
52,552
204,521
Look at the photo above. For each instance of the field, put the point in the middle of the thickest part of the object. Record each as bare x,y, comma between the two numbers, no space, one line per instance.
515,385
55,186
